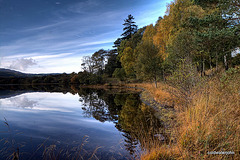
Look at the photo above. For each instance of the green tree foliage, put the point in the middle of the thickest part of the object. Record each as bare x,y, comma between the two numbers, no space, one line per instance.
132,42
231,11
112,64
185,80
128,59
65,79
87,78
127,54
236,60
182,47
149,63
137,37
119,73
215,39
127,45
117,43
75,79
217,33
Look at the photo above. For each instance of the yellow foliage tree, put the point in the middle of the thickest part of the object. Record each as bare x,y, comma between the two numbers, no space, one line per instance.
128,60
149,33
177,14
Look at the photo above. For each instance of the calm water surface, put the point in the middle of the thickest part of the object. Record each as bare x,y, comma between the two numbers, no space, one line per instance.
41,124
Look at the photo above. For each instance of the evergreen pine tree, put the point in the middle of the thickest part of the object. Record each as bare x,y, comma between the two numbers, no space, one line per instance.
130,27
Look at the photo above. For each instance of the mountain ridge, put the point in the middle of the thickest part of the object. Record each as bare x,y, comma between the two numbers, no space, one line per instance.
7,73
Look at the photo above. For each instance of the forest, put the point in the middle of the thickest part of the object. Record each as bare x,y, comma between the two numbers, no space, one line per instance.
201,34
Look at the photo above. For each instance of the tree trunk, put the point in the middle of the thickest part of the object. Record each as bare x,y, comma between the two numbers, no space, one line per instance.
155,81
203,67
225,62
163,75
210,59
216,62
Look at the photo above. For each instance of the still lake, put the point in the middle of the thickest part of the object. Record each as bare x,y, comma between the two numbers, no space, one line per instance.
78,124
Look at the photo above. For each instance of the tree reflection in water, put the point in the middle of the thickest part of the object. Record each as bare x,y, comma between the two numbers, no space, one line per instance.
99,104
133,118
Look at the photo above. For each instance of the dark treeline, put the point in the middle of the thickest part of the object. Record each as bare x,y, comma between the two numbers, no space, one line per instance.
51,78
63,79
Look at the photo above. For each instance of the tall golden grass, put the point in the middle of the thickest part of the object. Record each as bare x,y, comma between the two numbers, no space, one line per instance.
211,123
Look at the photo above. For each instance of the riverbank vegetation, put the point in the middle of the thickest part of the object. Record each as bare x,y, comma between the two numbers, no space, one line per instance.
210,122
191,56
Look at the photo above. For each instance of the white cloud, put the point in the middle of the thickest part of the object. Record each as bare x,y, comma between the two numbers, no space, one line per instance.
22,64
59,65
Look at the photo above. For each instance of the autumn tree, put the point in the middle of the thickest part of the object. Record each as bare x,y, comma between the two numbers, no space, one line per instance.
149,33
161,37
128,61
171,24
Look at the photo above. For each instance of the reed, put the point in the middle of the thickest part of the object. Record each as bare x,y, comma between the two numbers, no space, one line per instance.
12,150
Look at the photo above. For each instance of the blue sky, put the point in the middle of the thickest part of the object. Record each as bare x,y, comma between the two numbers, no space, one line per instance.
52,36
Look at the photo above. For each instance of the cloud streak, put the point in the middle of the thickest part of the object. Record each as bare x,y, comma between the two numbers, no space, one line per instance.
84,7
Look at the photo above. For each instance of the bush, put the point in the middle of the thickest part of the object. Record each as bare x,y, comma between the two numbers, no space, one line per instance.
119,73
89,78
184,80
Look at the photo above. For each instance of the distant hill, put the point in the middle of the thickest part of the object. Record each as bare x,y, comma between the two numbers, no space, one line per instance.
11,73
7,73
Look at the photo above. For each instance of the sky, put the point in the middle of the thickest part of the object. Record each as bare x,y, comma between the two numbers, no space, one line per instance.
52,36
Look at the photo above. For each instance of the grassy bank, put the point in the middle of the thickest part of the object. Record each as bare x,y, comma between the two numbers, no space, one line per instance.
160,94
209,123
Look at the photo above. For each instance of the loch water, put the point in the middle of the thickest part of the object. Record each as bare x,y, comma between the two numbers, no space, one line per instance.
76,123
